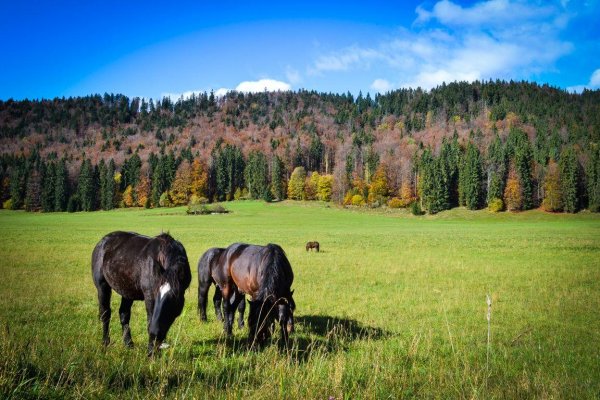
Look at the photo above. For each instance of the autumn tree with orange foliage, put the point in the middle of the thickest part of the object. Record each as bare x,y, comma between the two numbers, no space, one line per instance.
128,200
513,192
142,191
378,189
199,183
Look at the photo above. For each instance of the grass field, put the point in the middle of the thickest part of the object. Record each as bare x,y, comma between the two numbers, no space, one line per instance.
393,307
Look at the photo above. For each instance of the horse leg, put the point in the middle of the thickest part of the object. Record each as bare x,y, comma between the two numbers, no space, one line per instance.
152,344
229,312
104,292
217,302
241,309
202,297
125,315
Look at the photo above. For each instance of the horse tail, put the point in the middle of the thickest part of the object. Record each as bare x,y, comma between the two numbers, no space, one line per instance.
275,275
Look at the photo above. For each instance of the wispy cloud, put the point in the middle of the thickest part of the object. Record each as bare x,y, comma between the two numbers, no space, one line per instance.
507,39
594,83
381,85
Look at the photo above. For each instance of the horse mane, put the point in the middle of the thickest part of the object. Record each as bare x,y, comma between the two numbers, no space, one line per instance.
275,274
173,258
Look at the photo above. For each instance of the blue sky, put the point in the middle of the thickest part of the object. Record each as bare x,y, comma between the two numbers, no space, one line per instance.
151,49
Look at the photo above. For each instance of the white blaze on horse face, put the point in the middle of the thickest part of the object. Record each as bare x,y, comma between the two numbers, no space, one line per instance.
164,289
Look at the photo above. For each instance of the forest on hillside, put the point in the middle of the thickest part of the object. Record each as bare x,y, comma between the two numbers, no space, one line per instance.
502,145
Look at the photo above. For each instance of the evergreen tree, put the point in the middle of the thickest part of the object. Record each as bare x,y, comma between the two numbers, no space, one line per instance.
473,178
593,179
48,187
86,186
18,181
277,184
257,175
110,187
33,195
519,150
496,170
315,153
61,188
569,178
102,184
160,180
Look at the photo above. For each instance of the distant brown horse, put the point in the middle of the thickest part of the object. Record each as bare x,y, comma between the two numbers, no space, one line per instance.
265,274
155,270
312,245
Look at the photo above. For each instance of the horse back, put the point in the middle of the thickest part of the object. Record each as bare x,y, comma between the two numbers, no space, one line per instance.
122,259
243,262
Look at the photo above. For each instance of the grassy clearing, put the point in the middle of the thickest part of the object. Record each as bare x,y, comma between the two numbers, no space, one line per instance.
393,307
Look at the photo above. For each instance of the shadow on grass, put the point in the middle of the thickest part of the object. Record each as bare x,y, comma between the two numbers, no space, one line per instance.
316,335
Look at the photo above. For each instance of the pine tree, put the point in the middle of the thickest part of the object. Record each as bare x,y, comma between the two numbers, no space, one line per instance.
86,186
496,170
33,195
61,188
110,187
48,187
277,184
593,179
473,178
569,177
257,174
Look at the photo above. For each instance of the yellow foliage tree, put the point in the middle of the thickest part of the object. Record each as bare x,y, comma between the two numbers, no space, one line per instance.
378,189
181,189
199,179
513,192
142,190
296,184
128,200
325,187
311,186
553,196
406,193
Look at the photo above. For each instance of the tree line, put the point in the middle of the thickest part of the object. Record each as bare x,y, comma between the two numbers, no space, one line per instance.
503,145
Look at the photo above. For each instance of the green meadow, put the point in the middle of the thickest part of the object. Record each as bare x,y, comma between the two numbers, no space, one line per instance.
393,307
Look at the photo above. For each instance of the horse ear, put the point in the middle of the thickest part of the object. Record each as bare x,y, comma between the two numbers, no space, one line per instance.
292,292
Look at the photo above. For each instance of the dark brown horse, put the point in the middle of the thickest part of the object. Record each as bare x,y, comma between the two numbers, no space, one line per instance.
155,270
206,265
265,274
312,245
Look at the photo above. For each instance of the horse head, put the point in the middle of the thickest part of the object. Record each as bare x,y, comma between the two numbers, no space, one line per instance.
170,293
286,309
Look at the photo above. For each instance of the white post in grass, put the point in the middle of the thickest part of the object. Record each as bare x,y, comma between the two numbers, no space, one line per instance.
489,318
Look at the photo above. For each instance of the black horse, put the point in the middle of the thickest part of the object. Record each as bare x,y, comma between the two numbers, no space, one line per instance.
265,274
205,280
138,267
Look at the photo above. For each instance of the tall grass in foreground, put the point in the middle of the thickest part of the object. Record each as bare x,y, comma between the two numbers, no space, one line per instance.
391,308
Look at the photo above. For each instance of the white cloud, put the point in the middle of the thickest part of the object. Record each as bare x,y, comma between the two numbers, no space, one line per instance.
221,92
503,39
594,83
381,85
595,79
270,85
489,13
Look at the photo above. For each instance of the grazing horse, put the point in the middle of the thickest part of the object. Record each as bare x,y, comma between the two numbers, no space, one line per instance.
206,264
155,270
312,245
265,274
